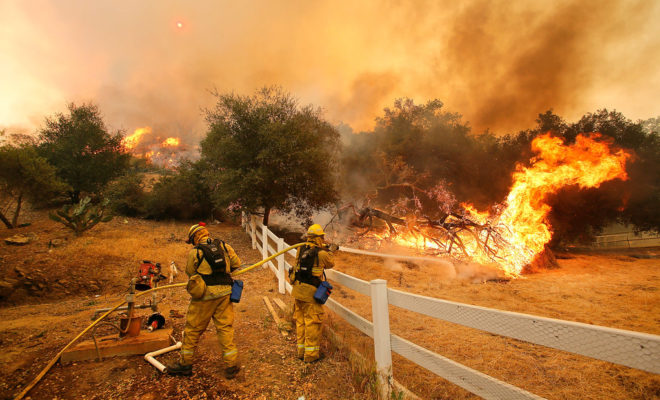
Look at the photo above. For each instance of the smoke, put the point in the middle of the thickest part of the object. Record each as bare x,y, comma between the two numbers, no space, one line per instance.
497,63
552,58
448,269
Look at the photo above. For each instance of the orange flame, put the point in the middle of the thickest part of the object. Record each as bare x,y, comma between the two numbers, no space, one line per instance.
134,139
170,142
521,224
587,163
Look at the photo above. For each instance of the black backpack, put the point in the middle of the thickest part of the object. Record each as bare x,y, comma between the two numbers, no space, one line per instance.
308,258
215,253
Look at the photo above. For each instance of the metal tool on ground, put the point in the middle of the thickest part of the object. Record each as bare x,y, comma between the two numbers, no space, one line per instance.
129,327
147,278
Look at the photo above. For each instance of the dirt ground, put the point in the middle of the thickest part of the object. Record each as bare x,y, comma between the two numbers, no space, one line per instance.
48,295
617,289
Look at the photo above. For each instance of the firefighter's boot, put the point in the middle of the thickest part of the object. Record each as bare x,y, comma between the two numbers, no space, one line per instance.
179,369
230,372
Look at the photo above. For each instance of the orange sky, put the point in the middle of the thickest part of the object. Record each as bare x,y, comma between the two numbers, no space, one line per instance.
499,63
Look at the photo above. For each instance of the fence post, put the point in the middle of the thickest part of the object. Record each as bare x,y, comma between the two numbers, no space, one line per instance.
281,271
253,231
264,242
382,348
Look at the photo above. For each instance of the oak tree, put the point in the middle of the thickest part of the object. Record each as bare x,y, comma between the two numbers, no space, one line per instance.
266,151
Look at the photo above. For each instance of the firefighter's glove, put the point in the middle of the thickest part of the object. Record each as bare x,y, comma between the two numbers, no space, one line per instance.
333,247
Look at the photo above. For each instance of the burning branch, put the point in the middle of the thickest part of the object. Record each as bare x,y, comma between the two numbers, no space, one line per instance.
515,234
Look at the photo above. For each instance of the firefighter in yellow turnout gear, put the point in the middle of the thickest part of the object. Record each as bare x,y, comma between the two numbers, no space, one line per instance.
213,304
306,276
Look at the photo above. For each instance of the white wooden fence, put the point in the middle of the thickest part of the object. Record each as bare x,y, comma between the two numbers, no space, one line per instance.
627,240
632,349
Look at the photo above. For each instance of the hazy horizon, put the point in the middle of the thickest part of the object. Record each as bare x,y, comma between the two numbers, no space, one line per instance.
499,64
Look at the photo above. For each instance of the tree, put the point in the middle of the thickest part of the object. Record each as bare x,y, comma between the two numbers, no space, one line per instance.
652,125
86,156
417,150
24,175
183,195
418,153
127,195
266,151
633,201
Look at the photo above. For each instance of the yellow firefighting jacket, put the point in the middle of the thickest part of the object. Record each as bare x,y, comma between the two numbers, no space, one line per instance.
304,291
194,266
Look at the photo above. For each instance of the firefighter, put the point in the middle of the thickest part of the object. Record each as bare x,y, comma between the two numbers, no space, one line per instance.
213,302
311,260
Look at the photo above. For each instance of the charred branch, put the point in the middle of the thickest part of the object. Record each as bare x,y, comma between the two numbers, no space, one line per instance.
448,234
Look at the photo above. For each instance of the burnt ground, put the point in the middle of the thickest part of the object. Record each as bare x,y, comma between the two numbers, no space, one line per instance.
50,293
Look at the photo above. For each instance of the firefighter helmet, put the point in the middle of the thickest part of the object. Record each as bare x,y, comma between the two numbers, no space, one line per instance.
315,230
193,230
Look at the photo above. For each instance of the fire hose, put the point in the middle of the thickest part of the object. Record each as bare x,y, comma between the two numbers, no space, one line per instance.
176,285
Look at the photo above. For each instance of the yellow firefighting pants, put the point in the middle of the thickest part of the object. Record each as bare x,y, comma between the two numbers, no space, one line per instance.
308,316
197,319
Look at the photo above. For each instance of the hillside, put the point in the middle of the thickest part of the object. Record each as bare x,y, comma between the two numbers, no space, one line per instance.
58,289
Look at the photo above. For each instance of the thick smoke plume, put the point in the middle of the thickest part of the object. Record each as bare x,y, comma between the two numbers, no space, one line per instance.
499,63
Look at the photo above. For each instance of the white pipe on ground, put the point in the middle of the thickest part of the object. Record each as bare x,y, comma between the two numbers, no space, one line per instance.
150,356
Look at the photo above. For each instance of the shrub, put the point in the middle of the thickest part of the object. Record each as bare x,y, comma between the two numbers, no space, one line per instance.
183,195
127,195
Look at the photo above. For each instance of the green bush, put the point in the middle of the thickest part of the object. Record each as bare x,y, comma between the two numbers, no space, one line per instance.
127,196
183,195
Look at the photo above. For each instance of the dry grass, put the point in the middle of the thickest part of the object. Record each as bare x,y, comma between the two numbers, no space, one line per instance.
613,290
610,289
32,333
101,261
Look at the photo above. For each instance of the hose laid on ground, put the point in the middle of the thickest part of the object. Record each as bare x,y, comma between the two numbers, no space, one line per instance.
176,285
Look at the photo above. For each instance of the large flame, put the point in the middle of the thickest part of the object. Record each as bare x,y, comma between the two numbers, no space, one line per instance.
170,142
144,143
587,163
131,141
521,223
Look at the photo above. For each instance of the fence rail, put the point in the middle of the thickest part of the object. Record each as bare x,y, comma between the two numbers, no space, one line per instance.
627,240
350,282
458,374
632,349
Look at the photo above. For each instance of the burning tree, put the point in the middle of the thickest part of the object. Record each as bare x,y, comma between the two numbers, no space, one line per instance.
415,213
146,144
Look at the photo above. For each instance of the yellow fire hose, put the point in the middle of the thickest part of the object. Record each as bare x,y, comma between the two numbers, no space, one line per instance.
99,319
